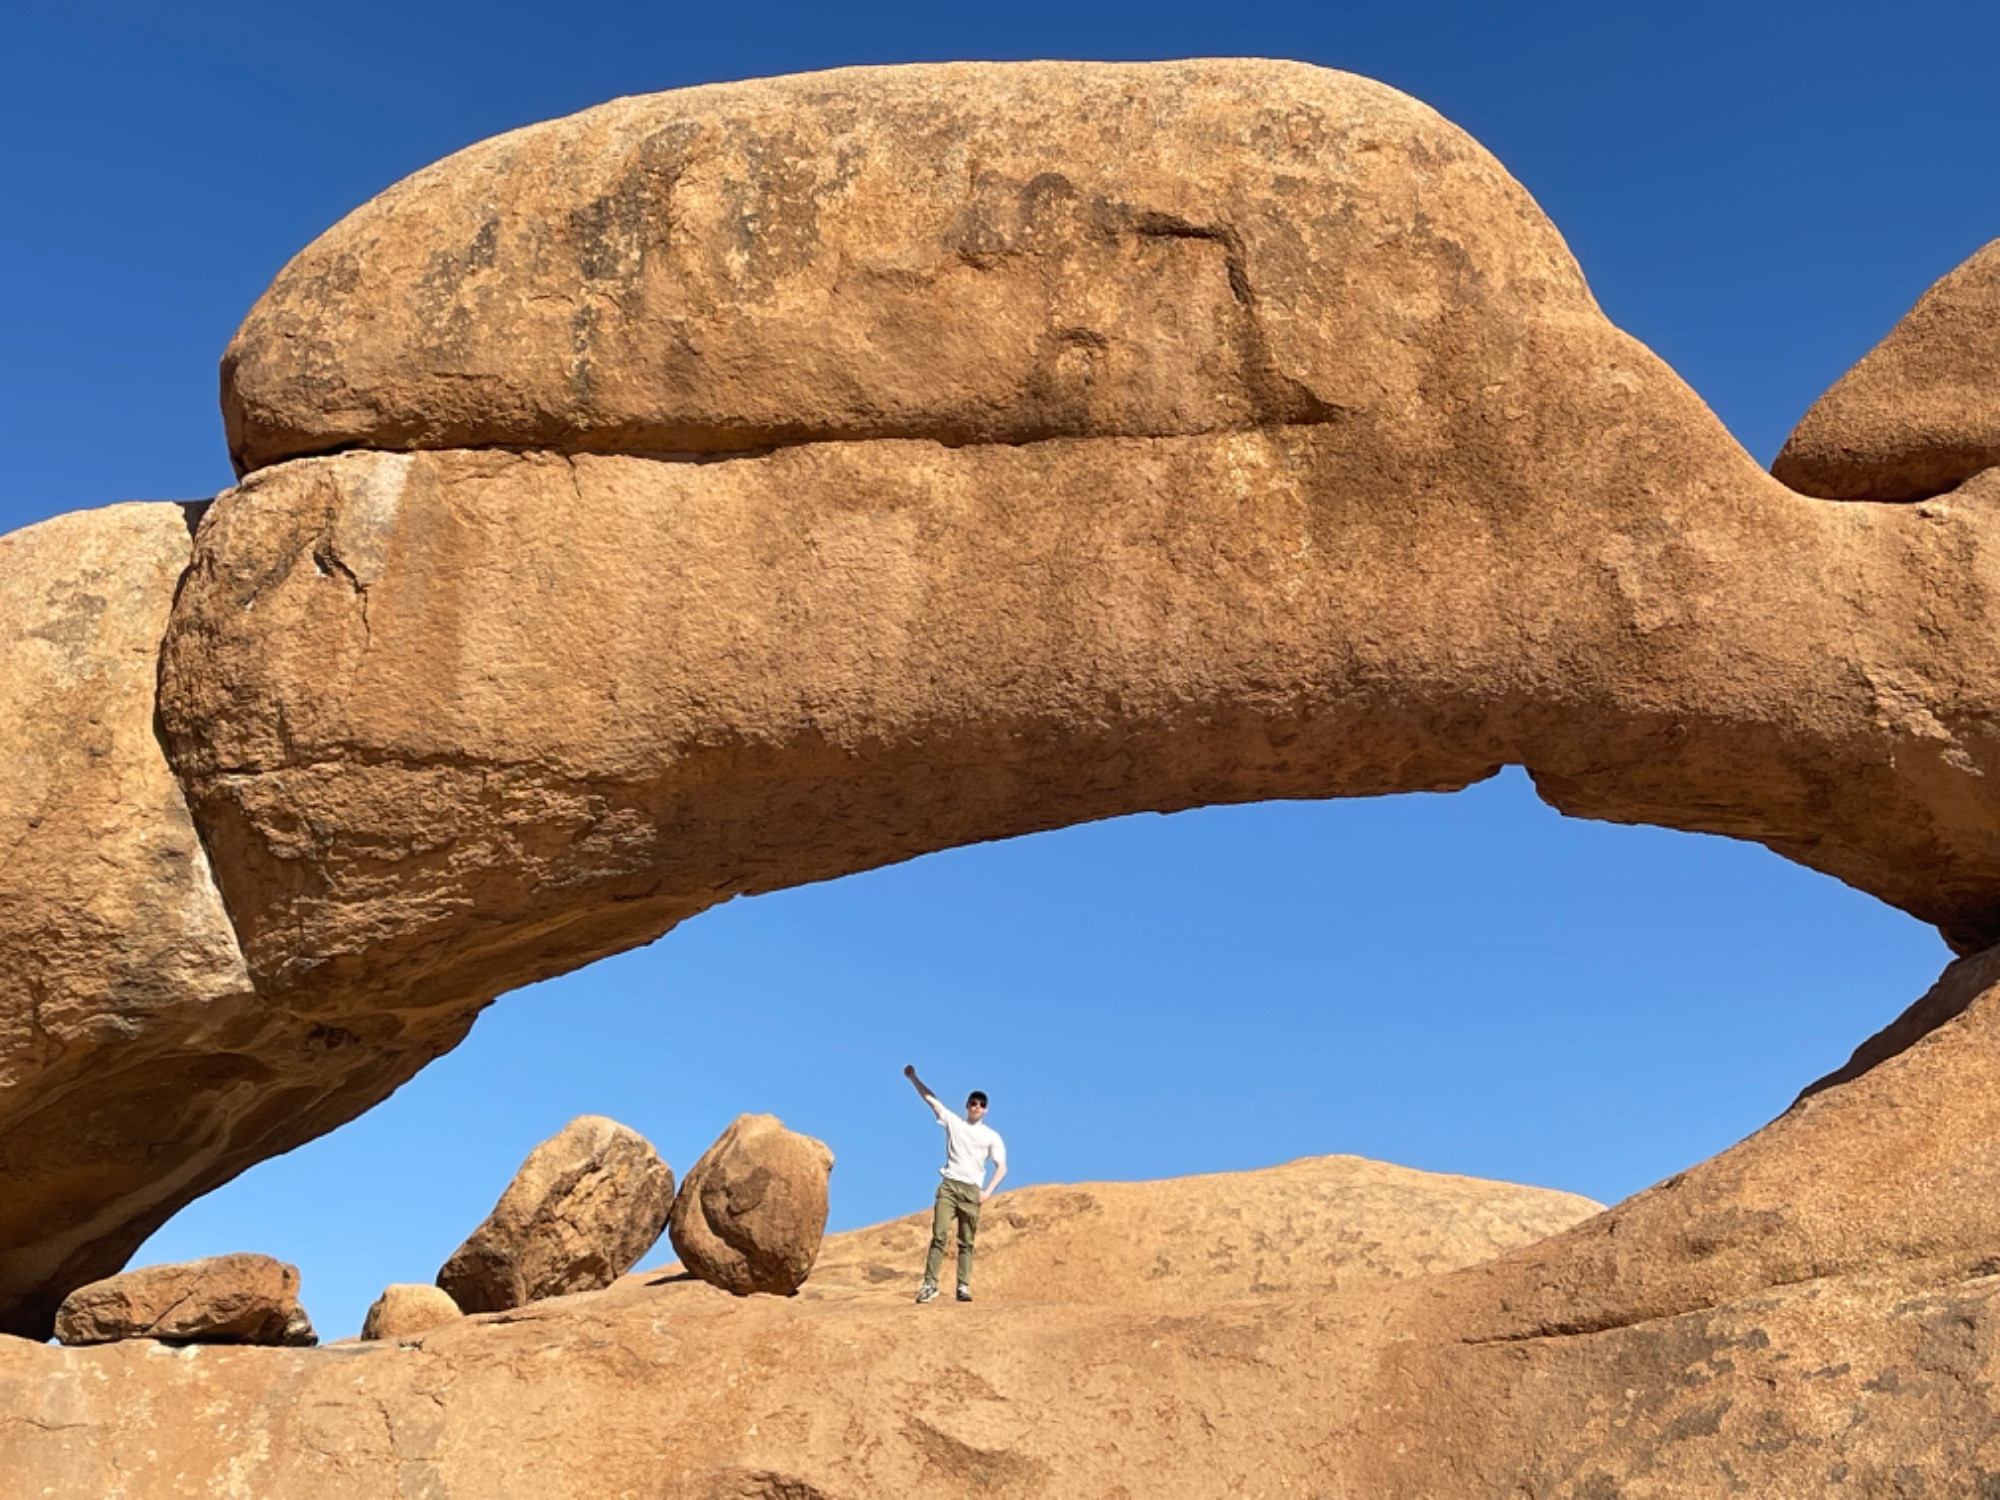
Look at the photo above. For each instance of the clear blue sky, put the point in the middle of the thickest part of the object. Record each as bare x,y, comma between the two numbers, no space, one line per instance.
1466,984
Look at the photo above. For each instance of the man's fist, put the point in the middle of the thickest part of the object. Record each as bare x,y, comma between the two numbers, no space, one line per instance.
910,1070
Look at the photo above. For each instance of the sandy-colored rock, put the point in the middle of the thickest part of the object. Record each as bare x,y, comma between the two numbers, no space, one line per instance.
1068,1385
1815,1306
1880,1170
1080,440
125,1009
971,253
751,1212
1325,1224
406,1309
1838,1338
586,1204
225,1299
459,721
456,721
1921,413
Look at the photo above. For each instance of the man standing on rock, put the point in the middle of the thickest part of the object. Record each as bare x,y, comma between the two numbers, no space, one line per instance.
969,1144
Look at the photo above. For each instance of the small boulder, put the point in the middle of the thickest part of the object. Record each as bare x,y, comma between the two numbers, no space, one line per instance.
752,1212
407,1309
586,1204
226,1299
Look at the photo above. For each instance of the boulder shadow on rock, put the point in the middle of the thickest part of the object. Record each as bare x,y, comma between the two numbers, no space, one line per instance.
586,1204
752,1212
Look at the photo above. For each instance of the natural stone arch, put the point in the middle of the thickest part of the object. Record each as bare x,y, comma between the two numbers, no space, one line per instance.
1284,453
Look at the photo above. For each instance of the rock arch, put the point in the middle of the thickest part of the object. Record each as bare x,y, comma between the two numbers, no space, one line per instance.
750,485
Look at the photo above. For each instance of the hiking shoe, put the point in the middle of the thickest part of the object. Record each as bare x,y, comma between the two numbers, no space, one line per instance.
927,1293
964,1292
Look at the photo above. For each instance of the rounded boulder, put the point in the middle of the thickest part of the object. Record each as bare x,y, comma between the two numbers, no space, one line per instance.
752,1212
406,1309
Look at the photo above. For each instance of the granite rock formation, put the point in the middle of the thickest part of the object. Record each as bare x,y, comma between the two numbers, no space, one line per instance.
133,1062
225,1299
966,254
735,488
1921,413
586,1204
1803,1316
751,1212
457,719
1068,1377
406,1309
1811,1312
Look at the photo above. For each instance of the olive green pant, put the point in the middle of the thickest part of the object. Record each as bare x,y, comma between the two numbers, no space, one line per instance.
960,1201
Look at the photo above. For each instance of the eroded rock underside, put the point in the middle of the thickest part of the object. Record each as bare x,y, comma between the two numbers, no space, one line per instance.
750,485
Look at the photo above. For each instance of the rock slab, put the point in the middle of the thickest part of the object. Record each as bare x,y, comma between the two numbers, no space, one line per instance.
1921,413
406,1309
225,1299
586,1204
752,1212
967,253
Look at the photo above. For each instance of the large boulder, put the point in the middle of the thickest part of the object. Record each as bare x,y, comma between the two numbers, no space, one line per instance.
1920,413
586,1204
752,1212
225,1299
406,1309
969,253
129,1036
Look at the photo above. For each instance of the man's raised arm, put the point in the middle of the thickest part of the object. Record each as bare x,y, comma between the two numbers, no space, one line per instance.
910,1072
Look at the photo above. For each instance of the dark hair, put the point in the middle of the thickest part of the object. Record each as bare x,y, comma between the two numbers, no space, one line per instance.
978,1097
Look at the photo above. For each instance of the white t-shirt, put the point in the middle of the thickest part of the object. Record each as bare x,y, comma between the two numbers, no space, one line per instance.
967,1147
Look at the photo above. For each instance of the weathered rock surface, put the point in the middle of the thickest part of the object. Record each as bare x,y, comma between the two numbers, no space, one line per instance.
1325,1224
1840,1338
453,721
125,1009
225,1299
1814,1307
406,1309
971,253
751,1213
551,1400
586,1204
1921,413
457,721
1082,440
